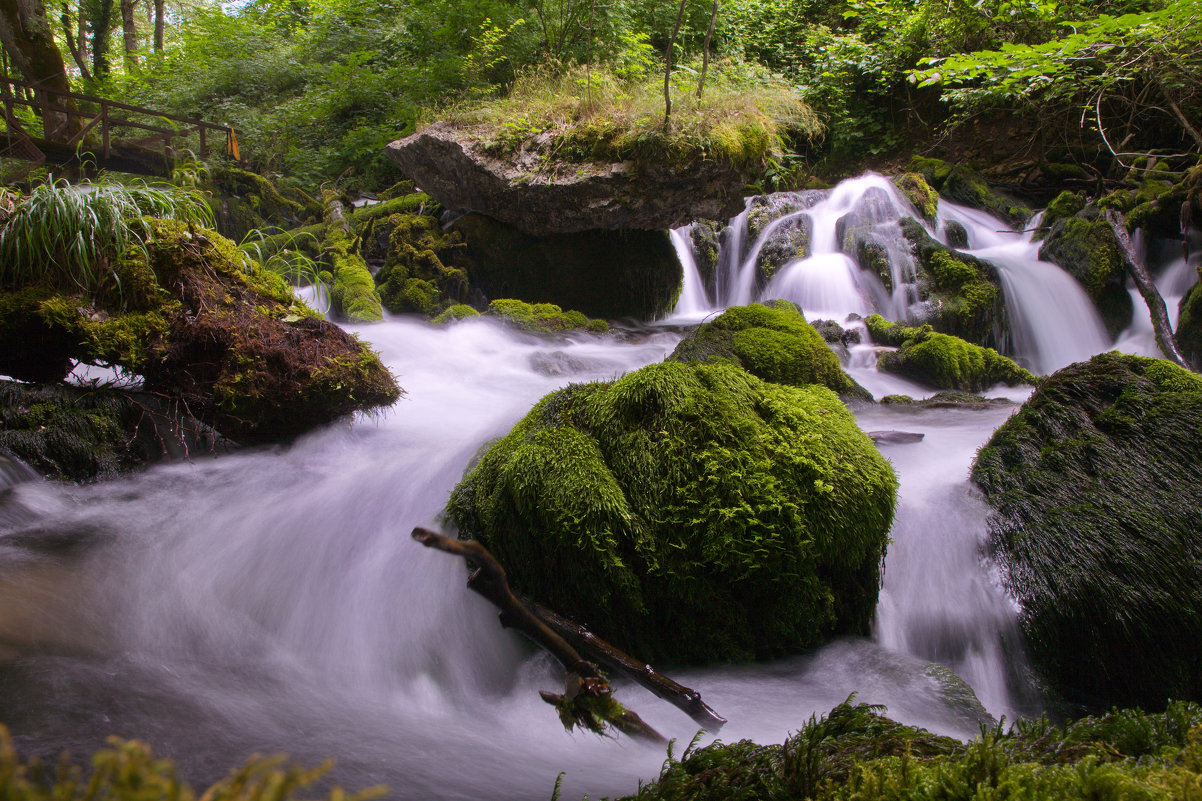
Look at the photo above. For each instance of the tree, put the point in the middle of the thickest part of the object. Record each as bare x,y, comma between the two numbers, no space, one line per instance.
29,39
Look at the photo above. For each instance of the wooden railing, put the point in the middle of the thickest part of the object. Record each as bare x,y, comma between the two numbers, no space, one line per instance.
68,118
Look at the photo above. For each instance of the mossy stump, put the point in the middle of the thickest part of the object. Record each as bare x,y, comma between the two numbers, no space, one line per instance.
1096,488
688,512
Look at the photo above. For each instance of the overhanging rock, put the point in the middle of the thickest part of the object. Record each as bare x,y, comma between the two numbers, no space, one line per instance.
542,196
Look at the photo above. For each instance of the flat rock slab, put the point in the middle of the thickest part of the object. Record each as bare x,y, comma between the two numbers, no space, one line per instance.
541,196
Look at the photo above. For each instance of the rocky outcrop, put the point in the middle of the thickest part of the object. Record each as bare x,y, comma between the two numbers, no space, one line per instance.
941,360
538,197
1095,486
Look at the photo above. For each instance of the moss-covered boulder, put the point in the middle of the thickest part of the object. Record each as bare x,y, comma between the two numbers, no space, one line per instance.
608,274
706,236
244,201
88,433
544,318
941,360
920,194
460,311
1086,247
1096,488
688,512
963,185
963,294
229,342
772,341
855,753
415,276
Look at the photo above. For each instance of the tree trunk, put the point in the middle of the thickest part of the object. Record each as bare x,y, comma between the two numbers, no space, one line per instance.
29,39
705,50
1156,308
668,65
160,24
130,31
74,44
100,20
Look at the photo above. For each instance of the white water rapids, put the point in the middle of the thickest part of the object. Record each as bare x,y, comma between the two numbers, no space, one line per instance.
271,600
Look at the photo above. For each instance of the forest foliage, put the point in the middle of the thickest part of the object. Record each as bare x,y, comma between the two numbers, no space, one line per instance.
316,88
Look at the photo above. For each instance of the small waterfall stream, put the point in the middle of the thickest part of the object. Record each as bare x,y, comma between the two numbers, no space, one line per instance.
271,600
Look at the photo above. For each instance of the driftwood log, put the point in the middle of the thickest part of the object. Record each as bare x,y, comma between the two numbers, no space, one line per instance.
587,697
1156,306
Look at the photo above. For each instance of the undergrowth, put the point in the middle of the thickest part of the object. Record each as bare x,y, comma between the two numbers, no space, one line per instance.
71,236
581,114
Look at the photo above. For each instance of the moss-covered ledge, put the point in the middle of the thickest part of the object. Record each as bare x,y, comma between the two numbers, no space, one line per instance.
199,323
941,360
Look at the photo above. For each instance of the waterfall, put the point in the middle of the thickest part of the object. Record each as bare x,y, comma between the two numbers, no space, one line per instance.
271,599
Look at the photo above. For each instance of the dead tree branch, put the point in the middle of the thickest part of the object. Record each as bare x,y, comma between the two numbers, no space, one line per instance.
587,698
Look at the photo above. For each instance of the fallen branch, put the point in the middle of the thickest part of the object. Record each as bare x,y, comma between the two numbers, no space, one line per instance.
587,699
1156,307
687,700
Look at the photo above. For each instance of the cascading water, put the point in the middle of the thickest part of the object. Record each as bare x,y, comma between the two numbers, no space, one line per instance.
271,600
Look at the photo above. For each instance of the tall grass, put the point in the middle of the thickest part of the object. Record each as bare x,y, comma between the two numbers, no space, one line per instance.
580,113
70,236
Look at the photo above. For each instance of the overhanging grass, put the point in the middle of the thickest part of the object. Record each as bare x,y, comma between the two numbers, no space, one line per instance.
580,114
71,236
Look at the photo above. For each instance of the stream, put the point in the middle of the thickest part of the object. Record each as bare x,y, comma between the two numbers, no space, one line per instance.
272,601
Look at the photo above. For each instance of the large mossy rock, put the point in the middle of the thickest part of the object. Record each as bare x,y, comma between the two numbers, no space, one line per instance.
1086,247
688,512
1189,325
244,201
608,274
1096,489
962,294
772,341
941,360
231,344
541,197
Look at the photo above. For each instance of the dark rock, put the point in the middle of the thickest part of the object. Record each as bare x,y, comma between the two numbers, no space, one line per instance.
957,235
948,399
608,274
1086,247
539,198
896,437
962,185
706,236
1095,486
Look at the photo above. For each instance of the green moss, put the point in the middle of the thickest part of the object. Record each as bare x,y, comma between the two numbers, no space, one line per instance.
33,350
459,311
1189,325
690,512
941,360
916,190
855,753
961,184
963,293
69,433
416,203
1087,248
353,294
414,277
773,342
544,317
245,201
1096,486
1064,206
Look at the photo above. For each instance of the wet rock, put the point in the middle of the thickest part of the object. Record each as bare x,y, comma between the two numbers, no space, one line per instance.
1086,247
962,185
896,437
957,235
1095,486
538,198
